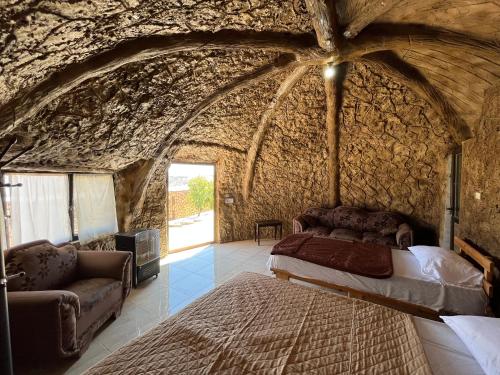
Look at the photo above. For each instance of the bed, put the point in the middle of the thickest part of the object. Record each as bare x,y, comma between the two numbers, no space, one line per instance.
408,289
257,324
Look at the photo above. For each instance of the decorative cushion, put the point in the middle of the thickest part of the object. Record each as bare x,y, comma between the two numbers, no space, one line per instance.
46,266
345,234
385,223
379,239
319,231
310,220
324,216
350,218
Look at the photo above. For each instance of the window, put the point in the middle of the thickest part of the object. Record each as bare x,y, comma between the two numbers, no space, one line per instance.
57,207
95,206
38,208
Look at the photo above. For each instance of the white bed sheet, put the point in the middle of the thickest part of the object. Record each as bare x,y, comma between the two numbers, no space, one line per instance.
446,353
407,283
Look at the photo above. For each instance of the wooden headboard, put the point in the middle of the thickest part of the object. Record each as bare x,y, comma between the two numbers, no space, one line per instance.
484,261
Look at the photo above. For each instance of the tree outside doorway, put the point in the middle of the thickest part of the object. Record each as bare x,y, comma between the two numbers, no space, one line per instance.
190,205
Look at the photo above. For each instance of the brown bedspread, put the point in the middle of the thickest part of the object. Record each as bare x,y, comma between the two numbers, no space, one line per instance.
255,324
365,259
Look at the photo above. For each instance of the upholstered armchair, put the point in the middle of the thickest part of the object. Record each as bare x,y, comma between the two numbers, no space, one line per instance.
65,296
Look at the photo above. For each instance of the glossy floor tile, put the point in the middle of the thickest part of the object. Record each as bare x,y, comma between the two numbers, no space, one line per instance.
183,278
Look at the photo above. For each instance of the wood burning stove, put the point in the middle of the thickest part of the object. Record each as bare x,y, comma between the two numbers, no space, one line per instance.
145,247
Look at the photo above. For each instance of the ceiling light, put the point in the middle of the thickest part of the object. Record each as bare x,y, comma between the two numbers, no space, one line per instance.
329,71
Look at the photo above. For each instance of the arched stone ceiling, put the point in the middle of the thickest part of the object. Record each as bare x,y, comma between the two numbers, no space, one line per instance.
38,38
128,111
112,121
461,77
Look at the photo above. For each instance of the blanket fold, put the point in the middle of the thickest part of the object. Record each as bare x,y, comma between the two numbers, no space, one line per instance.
365,259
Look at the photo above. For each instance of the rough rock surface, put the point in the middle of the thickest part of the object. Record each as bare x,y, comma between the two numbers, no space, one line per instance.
392,148
393,151
480,219
40,37
392,145
114,120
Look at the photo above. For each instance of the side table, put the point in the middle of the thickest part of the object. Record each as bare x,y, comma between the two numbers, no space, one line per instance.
268,223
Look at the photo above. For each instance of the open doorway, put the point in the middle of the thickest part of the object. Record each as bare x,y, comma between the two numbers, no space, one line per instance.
191,198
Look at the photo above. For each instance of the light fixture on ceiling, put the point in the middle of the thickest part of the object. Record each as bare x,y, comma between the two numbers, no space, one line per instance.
329,71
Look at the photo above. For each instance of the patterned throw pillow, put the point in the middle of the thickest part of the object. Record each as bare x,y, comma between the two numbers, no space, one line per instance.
46,266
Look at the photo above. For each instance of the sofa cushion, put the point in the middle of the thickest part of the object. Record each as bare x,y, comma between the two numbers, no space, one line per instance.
350,218
324,216
345,234
319,231
310,220
97,297
385,223
379,239
46,266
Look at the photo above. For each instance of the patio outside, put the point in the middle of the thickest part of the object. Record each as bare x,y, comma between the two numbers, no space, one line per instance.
190,205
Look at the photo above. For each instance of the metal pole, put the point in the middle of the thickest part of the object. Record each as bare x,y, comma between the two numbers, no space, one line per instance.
5,348
6,366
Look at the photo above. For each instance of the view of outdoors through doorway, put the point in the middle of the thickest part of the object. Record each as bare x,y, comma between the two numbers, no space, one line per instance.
190,205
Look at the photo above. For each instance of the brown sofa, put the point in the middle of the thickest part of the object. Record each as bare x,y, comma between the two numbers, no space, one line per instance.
356,224
64,297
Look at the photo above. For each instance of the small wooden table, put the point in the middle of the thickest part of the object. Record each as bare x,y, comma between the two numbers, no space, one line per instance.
268,223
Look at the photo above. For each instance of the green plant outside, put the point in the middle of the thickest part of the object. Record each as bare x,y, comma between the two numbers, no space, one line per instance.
201,193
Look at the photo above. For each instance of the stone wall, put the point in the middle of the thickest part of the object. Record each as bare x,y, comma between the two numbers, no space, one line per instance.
40,38
392,149
153,212
480,218
114,120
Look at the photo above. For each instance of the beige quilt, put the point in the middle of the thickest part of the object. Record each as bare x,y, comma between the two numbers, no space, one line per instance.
255,324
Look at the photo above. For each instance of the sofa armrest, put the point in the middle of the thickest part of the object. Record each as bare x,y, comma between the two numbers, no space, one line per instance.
43,323
299,224
404,236
111,264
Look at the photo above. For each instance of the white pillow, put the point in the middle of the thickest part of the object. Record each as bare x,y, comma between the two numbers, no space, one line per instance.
447,266
481,336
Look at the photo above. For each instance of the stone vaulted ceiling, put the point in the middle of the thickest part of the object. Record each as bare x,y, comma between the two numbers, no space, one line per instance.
101,84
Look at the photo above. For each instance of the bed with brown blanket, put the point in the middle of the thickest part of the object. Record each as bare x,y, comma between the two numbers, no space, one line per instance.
260,325
391,277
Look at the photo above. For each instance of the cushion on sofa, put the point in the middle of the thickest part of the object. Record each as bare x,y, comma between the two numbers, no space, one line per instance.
319,231
385,223
378,238
310,220
46,266
350,218
97,297
324,216
345,234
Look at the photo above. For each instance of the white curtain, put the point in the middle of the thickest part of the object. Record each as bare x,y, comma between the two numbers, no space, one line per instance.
95,206
39,208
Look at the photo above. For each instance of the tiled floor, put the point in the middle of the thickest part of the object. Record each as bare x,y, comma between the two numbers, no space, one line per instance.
183,278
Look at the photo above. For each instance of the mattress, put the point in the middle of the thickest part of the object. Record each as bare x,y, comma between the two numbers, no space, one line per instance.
446,353
257,324
407,283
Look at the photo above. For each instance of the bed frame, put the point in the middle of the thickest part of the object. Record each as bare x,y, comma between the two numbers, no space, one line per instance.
485,262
